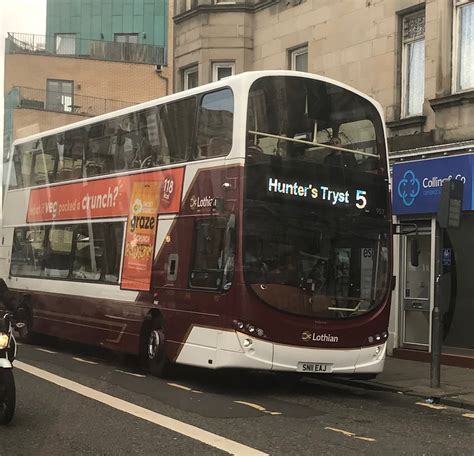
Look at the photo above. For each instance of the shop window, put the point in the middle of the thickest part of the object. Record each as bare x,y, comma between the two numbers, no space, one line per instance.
222,70
464,18
299,59
126,38
413,64
57,257
28,251
59,95
65,43
208,259
214,125
190,78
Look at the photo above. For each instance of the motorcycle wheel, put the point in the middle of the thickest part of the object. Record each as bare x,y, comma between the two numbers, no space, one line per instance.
7,395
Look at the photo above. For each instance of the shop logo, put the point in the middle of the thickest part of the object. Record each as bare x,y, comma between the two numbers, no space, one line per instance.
409,188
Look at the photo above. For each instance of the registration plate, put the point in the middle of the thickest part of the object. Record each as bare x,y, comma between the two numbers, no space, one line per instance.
315,368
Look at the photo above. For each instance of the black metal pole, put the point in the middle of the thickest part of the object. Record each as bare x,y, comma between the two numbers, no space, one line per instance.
436,317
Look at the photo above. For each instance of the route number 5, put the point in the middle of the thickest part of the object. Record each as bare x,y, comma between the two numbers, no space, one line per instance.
361,199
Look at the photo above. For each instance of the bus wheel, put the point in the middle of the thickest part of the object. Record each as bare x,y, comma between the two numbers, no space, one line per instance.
156,359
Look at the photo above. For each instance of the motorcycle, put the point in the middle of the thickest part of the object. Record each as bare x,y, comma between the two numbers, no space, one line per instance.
8,350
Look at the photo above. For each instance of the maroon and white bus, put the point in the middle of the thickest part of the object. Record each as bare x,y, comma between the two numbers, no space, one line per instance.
241,224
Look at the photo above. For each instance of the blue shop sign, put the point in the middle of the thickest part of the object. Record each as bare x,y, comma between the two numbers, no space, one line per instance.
417,184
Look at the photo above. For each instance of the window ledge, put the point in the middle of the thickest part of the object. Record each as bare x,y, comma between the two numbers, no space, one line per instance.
408,122
223,8
449,101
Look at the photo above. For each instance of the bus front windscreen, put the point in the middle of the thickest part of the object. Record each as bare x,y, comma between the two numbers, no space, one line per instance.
316,215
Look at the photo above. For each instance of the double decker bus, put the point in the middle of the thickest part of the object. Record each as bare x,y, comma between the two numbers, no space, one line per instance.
241,224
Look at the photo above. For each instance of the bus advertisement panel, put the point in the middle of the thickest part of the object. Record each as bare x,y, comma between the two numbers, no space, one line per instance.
101,198
141,232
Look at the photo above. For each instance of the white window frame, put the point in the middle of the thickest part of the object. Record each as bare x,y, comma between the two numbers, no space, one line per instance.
217,65
455,86
294,53
404,43
68,36
187,72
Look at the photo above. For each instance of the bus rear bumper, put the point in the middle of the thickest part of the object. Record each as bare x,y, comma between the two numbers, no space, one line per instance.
232,349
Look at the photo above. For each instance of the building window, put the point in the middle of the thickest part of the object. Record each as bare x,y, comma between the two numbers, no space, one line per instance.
126,38
413,64
190,4
190,78
465,45
299,59
65,43
222,70
59,95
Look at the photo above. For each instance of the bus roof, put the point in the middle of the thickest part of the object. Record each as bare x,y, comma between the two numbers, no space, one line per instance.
244,80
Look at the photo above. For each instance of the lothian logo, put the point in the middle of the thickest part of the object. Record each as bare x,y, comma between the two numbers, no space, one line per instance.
306,336
197,202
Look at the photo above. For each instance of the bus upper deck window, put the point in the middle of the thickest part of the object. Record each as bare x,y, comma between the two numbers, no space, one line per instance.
215,124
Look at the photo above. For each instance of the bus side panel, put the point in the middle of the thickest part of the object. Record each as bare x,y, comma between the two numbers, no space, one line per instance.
94,320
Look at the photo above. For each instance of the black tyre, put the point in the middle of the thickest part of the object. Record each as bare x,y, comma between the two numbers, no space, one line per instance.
155,357
7,395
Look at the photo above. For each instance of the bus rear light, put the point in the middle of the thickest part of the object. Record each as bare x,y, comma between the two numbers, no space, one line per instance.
377,337
371,339
384,335
251,329
260,332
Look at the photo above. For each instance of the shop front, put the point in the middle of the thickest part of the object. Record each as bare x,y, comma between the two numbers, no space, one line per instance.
416,191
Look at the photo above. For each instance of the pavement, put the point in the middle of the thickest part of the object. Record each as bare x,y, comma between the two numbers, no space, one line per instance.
413,378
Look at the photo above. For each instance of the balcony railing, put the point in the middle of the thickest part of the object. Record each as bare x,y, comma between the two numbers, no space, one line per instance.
47,100
70,46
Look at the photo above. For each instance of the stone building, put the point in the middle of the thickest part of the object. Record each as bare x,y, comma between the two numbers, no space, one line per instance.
417,59
97,56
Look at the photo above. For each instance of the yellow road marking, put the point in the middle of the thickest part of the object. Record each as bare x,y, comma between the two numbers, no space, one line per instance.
84,360
469,415
46,351
257,407
342,431
180,386
251,404
350,434
432,406
130,373
367,439
185,388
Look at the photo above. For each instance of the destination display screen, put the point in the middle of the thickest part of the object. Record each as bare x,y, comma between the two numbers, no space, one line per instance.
318,187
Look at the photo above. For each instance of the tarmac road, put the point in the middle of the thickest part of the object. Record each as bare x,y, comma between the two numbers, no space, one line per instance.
73,399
